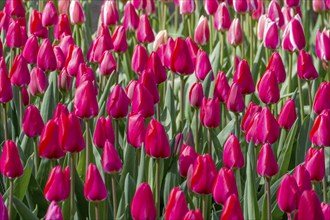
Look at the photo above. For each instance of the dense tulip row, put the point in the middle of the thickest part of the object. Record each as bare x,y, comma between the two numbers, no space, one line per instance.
183,109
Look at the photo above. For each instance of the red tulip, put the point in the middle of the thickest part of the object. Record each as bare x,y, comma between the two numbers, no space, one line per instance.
325,209
288,194
288,115
232,209
130,89
36,27
49,14
109,13
64,44
6,91
202,31
192,48
196,95
310,206
276,65
131,19
154,63
139,59
119,39
232,156
144,32
111,162
235,101
136,130
187,157
85,102
321,96
54,211
19,72
267,165
103,132
176,207
319,134
222,20
60,108
305,67
77,14
39,82
221,88
58,184
181,62
268,129
10,162
73,60
142,101
143,205
293,36
15,8
243,77
118,103
314,163
30,50
94,188
251,110
193,215
147,78
62,26
32,122
224,186
267,87
210,113
303,178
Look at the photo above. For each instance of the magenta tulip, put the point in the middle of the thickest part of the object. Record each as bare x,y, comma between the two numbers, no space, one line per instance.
58,184
94,188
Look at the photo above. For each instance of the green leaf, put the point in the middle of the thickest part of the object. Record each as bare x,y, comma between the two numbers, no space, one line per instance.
23,211
36,197
48,103
81,203
22,183
303,142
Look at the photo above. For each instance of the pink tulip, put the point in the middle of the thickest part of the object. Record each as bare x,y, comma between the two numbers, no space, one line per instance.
64,81
321,96
267,128
181,62
131,19
54,211
103,132
136,130
19,72
32,122
49,14
139,59
144,32
274,13
293,36
6,91
187,6
107,64
14,35
94,188
267,87
193,49
210,112
267,165
251,110
60,58
202,31
221,88
142,101
319,6
210,6
58,184
193,215
109,13
320,132
36,27
303,178
314,163
288,194
119,39
143,205
222,18
155,65
39,82
64,44
276,65
203,65
14,8
10,162
322,45
85,102
235,101
160,39
62,26
262,24
118,103
288,115
232,156
3,209
176,207
77,15
196,95
271,36
30,50
74,58
187,158
235,34
325,209
243,77
111,162
232,209
240,6
305,66
310,206
224,186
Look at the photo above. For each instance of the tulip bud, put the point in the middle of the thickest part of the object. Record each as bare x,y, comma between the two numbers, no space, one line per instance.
60,58
118,103
39,82
240,6
150,7
10,162
136,130
319,134
262,23
235,100
221,88
232,156
111,162
142,101
243,77
251,129
64,81
274,13
326,210
203,65
322,94
139,59
32,122
144,32
251,110
178,142
107,64
25,96
288,194
73,60
288,115
293,36
222,20
14,35
268,129
101,44
58,184
314,163
103,132
235,34
139,4
232,209
224,186
85,73
193,215
267,165
305,66
310,206
303,178
19,72
36,27
143,205
63,6
77,15
54,211
119,39
147,78
292,3
3,209
201,175
181,62
176,207
62,26
267,87
202,31
187,157
49,15
319,6
156,142
14,8
271,36
168,53
6,91
155,65
276,65
131,19
85,102
130,88
30,50
46,59
187,6
196,95
322,44
193,49
65,42
94,188
210,112
109,13
60,108
160,39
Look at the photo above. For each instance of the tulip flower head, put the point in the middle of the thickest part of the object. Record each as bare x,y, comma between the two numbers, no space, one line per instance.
202,31
32,122
267,165
10,162
314,163
94,188
319,134
176,207
288,194
58,184
224,186
232,154
54,211
143,205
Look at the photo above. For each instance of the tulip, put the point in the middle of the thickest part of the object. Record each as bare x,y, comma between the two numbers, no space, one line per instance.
139,59
325,209
85,73
49,145
150,7
210,112
160,39
143,205
60,108
178,142
243,77
155,65
181,62
288,115
54,211
10,162
201,175
65,42
196,95
292,3
276,65
32,122
30,50
267,87
103,132
14,35
3,209
94,188
64,81
118,103
39,82
111,162
221,88
77,15
156,142
193,215
187,6
62,26
101,44
109,13
15,8
321,96
131,19
187,157
235,34
322,45
144,32
232,156
136,130
25,96
202,31
166,54
232,209
251,110
319,6
240,6
203,65
19,72
303,178
319,134
192,48
58,184
271,36
288,194
36,27
6,91
139,4
119,39
274,13
235,101
63,6
107,64
224,186
73,60
49,15
60,58
130,88
176,207
251,129
142,101
267,165
310,206
293,36
305,66
267,127
46,59
314,163
222,20
85,102
262,24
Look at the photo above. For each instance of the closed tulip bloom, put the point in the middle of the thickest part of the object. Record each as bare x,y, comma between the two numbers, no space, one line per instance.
101,44
232,156
267,165
203,65
314,163
150,7
32,122
111,162
49,14
232,209
251,110
30,50
222,20
193,215
235,100
293,36
58,184
221,88
181,62
154,63
267,87
3,209
288,115
210,6
144,32
322,45
109,13
176,207
240,6
251,129
166,54
139,4
160,39
10,162
193,49
274,13
63,6
305,67
143,205
235,34
118,103
65,42
303,178
60,58
210,112
320,132
62,26
54,211
130,88
310,207
74,58
94,188
139,59
187,6
276,65
39,82
142,101
103,132
224,186
271,36
196,95
262,24
268,129
25,96
64,81
131,19
19,72
85,102
288,194
46,59
325,209
321,96
14,35
156,142
85,73
107,64
36,26
202,31
119,39
59,109
201,175
14,8
6,91
77,15
136,130
187,158
319,6
292,3
243,77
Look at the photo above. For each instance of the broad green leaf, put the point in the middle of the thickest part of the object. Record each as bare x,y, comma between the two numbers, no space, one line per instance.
303,142
36,198
22,183
23,211
48,103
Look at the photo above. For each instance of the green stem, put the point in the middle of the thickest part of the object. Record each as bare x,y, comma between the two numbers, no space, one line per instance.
157,186
310,96
72,188
324,184
176,18
189,27
11,195
210,141
234,57
97,211
118,65
5,120
267,193
251,42
87,143
301,101
114,196
211,34
20,107
237,130
290,72
204,197
116,135
164,14
222,37
36,156
196,130
158,111
238,181
181,102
